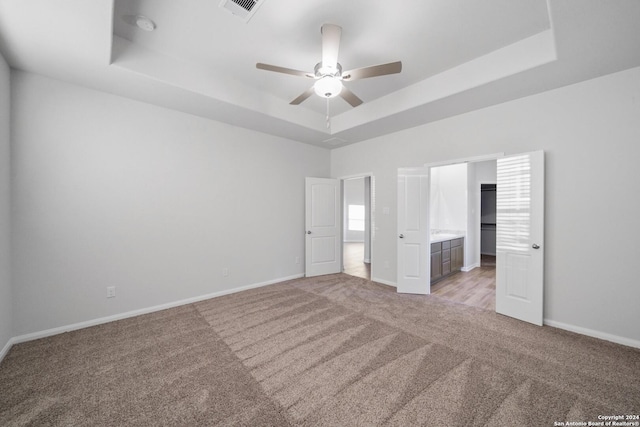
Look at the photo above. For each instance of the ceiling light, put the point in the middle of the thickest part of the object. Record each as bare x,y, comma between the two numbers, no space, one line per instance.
328,87
145,23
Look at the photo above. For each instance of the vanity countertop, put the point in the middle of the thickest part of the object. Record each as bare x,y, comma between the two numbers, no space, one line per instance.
441,237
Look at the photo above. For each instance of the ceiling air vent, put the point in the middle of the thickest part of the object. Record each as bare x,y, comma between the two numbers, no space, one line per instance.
243,9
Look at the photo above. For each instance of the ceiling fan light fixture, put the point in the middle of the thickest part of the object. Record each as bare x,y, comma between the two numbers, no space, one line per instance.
328,87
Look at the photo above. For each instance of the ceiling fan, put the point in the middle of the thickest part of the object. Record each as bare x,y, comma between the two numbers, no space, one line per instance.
328,73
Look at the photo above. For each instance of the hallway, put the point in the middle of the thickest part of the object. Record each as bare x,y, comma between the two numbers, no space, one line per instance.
353,256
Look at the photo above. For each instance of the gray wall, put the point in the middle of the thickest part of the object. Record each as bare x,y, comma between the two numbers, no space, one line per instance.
114,192
448,198
590,133
6,320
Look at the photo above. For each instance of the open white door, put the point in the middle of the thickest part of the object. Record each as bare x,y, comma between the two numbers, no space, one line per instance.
322,220
520,236
413,231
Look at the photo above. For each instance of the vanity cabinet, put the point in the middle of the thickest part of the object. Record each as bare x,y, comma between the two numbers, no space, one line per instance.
457,254
447,257
436,261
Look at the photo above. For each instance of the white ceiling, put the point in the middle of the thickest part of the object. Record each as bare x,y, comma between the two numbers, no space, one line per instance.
457,55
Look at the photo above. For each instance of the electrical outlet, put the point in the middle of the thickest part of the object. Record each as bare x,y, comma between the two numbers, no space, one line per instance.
297,260
225,272
111,291
386,264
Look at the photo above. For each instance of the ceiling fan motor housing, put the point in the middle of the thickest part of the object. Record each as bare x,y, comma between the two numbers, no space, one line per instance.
321,71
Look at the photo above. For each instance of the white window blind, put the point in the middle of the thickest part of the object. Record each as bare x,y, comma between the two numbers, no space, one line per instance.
513,203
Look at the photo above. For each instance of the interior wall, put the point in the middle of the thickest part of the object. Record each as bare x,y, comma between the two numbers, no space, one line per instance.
6,312
114,192
589,132
486,172
471,251
449,198
367,221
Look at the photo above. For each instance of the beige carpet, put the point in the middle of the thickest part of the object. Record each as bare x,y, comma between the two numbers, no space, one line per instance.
332,351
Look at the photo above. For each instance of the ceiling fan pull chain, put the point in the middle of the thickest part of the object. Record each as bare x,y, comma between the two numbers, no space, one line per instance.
328,119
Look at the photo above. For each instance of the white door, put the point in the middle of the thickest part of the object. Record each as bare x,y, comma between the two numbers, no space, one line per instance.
520,236
322,221
414,269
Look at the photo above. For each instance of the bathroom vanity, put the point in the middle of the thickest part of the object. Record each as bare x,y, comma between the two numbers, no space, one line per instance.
447,256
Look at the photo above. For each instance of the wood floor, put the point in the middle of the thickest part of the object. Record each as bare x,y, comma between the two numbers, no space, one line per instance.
353,256
476,287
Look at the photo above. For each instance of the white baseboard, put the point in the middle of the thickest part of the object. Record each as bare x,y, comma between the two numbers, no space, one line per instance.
595,334
6,348
470,267
384,282
367,261
120,316
55,331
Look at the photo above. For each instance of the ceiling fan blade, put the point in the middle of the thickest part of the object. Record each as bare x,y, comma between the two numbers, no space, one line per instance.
306,94
330,45
284,70
350,97
372,71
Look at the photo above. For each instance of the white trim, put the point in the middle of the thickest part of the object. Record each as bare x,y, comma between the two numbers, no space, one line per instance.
6,348
595,334
120,316
352,241
355,176
367,260
470,267
384,282
474,159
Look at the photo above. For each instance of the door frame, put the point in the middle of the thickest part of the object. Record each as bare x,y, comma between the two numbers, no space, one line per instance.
428,166
342,179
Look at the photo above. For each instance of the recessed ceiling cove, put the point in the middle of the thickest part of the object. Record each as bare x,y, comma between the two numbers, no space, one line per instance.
457,55
430,37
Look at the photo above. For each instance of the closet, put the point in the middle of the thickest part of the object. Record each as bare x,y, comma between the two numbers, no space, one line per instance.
488,219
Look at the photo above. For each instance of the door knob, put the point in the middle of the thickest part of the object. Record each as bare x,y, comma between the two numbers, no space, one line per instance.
401,236
309,232
535,246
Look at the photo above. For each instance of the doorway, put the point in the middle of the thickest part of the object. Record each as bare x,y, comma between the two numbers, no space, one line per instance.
519,233
488,224
462,207
357,221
